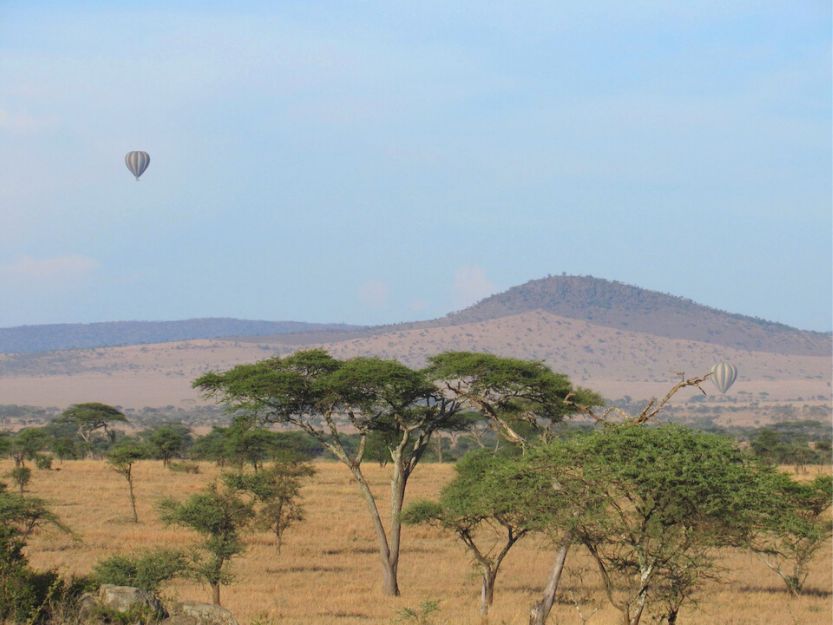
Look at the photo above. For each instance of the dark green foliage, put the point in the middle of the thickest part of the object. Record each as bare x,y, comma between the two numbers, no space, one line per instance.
92,420
650,504
212,446
24,594
27,444
21,476
147,570
5,443
789,445
219,517
43,462
244,442
64,441
168,441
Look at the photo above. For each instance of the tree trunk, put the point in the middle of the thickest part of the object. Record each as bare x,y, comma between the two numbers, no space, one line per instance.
672,616
397,500
215,593
645,577
391,586
487,593
132,499
541,610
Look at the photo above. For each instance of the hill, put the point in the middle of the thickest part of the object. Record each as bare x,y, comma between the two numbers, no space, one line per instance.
628,307
620,340
46,338
613,305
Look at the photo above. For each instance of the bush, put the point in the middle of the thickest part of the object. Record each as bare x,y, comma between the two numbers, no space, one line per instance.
21,476
148,570
184,467
24,593
43,462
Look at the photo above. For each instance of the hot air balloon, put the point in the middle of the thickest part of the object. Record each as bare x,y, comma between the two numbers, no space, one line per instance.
723,375
137,162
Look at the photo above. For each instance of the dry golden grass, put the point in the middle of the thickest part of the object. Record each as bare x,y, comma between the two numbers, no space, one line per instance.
328,572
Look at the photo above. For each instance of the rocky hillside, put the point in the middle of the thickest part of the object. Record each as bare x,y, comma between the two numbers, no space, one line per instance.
631,308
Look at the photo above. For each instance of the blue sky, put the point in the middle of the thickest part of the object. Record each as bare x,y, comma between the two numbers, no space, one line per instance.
378,161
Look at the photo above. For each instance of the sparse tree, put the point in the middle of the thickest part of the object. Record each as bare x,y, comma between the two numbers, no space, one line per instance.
21,476
795,523
487,511
277,491
122,456
218,516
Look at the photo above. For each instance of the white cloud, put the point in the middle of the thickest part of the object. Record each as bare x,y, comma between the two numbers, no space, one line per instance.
58,270
471,285
21,122
374,294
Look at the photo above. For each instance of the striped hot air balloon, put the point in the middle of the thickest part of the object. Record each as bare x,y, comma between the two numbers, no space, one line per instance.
137,162
723,375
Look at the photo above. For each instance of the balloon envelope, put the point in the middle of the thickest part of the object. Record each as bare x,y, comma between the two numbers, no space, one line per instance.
724,375
137,162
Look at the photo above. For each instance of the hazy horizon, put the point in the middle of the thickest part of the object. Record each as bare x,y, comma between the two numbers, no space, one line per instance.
357,325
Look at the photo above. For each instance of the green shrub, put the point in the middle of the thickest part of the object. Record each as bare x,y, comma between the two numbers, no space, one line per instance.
21,476
184,467
147,570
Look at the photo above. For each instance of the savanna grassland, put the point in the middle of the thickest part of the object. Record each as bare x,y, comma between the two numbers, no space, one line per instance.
328,571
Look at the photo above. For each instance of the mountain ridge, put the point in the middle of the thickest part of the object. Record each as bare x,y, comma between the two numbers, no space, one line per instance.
628,307
602,302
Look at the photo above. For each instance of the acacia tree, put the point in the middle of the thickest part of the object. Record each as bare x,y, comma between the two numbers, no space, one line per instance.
91,418
324,397
585,402
278,491
519,397
651,505
794,525
122,457
483,497
21,476
219,516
